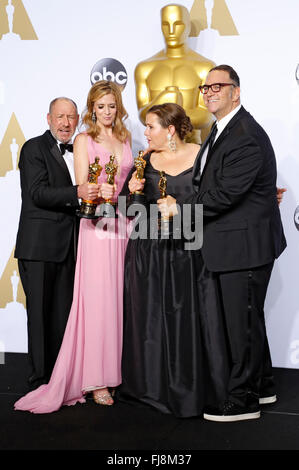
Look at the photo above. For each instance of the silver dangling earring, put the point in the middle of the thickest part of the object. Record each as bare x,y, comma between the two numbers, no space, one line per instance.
171,143
94,117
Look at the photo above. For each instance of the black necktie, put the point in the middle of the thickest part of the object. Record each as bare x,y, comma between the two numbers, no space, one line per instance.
64,147
212,135
204,153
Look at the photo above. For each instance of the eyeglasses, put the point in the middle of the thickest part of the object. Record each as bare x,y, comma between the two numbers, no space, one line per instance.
215,87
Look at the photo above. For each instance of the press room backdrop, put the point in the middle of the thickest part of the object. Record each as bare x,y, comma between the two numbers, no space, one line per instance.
51,48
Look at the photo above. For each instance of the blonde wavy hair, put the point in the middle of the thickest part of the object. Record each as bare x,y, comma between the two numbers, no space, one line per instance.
99,89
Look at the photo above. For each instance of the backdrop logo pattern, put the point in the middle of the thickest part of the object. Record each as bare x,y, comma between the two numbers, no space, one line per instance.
10,184
15,23
10,147
12,298
212,14
109,69
10,286
296,218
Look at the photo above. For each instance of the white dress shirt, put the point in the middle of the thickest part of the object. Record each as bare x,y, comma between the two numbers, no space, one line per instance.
69,160
221,124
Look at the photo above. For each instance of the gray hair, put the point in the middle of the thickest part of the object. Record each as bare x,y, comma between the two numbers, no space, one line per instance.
62,98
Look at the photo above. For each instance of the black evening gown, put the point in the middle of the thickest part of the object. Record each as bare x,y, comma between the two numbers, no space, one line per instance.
174,355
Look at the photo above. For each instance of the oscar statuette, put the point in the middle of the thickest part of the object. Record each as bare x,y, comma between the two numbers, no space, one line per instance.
88,207
108,208
164,220
138,197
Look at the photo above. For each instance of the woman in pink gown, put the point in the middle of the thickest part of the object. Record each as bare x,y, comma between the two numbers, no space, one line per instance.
90,355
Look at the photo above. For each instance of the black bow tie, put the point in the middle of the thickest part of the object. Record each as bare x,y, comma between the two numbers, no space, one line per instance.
64,147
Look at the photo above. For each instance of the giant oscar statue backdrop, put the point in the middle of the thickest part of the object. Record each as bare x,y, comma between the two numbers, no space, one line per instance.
175,73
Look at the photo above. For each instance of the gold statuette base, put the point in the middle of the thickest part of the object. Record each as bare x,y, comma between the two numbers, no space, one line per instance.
137,197
87,210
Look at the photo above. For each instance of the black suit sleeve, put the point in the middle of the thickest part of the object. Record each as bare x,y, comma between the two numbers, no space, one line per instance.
237,173
35,174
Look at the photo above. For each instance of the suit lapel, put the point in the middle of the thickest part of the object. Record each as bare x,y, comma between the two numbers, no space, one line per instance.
196,166
55,152
222,137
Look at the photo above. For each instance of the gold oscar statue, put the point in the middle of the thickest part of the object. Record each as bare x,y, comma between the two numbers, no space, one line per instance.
164,221
107,208
162,184
88,207
138,197
175,73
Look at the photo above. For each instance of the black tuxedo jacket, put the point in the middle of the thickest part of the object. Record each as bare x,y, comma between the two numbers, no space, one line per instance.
242,224
49,199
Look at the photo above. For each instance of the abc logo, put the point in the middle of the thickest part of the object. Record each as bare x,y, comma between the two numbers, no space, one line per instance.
296,217
109,69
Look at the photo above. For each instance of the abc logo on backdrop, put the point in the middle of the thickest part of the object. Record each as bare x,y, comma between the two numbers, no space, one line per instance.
109,69
296,218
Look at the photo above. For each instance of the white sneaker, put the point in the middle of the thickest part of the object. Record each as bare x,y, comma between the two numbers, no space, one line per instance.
267,400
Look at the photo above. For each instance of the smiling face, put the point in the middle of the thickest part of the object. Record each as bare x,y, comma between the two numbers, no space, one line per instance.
105,109
223,102
175,24
156,134
63,120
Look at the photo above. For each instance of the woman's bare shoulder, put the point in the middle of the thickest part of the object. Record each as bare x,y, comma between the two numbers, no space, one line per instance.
81,142
82,137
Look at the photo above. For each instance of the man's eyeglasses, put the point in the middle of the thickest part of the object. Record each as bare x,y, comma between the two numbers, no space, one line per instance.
215,87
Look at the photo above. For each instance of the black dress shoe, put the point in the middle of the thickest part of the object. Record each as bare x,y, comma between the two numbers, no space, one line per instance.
31,379
232,412
35,382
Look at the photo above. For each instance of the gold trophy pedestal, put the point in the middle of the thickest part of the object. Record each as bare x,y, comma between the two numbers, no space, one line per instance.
87,210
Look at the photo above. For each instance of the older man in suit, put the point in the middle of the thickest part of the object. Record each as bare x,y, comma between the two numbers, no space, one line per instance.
235,180
47,234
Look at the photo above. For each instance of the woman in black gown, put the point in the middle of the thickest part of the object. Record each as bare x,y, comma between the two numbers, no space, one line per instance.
174,355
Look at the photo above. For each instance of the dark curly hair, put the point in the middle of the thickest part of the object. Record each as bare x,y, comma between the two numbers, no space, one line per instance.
171,114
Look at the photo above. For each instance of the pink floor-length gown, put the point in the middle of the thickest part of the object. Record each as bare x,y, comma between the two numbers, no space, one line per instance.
90,354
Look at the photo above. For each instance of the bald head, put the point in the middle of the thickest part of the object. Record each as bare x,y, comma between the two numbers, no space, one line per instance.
64,99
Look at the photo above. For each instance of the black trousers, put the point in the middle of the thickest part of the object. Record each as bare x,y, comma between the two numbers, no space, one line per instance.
48,287
243,296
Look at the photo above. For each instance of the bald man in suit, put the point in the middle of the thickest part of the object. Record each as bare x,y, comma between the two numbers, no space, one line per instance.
47,235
